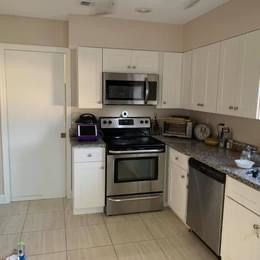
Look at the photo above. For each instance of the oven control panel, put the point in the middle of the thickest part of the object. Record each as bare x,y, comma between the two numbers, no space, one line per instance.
129,122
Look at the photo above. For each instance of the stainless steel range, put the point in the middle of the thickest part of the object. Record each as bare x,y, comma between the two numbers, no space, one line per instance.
135,166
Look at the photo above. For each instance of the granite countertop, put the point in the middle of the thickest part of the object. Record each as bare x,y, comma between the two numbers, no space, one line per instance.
213,156
75,143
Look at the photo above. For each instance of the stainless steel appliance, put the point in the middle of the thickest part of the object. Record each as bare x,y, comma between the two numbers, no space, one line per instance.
130,88
177,126
205,203
135,166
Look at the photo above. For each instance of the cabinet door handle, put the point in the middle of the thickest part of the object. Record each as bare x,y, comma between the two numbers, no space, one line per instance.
129,67
134,67
257,229
164,102
182,176
99,102
89,155
230,107
198,104
236,108
102,167
202,105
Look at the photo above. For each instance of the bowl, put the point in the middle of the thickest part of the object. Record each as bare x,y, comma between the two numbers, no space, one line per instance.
244,164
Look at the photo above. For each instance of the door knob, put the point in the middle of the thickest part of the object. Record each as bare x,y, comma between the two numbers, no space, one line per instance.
62,135
257,229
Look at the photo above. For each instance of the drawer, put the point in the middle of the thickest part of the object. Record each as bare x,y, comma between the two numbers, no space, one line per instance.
243,194
88,155
179,159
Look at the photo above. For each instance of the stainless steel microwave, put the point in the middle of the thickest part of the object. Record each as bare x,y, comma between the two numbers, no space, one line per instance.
130,88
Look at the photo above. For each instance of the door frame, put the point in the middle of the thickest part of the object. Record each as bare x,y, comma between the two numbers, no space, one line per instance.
4,146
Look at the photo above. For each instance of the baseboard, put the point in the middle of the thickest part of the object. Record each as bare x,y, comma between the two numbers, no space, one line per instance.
4,199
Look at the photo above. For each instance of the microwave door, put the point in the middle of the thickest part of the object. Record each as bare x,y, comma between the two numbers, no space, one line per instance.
124,92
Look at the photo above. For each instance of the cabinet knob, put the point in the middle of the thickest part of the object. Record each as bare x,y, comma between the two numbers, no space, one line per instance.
236,108
164,102
102,167
202,105
230,107
134,67
198,104
129,67
89,155
257,229
182,176
176,158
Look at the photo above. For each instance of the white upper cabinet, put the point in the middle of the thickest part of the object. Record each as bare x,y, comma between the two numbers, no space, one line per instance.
186,80
248,98
115,60
205,76
145,62
231,68
130,61
89,77
239,77
171,80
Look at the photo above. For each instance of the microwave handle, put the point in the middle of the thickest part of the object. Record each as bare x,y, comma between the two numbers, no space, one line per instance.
147,90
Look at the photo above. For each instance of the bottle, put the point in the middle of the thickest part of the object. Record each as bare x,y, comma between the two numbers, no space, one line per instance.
21,251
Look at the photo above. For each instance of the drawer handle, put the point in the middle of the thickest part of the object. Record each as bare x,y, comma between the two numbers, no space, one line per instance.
89,155
257,229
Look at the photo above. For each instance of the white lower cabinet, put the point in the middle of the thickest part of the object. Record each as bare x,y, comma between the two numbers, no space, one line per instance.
177,183
240,235
88,180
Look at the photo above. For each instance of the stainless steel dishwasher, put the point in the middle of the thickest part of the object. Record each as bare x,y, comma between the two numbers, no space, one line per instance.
205,203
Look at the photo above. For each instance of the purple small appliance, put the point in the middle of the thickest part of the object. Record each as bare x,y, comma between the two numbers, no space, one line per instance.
87,128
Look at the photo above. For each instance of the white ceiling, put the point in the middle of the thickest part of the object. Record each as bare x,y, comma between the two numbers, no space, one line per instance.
166,11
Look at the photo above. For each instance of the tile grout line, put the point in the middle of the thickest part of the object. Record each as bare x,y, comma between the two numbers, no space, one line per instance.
26,215
65,228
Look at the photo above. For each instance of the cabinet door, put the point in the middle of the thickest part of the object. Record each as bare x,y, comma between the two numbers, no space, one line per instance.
239,239
171,80
177,190
89,77
247,103
186,80
116,60
145,62
205,75
231,69
88,185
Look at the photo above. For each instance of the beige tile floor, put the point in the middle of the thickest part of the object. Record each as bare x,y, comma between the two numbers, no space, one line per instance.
50,231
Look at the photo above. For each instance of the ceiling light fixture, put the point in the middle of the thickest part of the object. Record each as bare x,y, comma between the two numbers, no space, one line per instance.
143,10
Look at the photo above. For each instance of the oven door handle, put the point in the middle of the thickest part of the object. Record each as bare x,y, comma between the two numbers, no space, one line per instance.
133,199
136,151
147,90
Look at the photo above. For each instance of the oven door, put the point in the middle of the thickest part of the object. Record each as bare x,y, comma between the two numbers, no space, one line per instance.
135,173
130,89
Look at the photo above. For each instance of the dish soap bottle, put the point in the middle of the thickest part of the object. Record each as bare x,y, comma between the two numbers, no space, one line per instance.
21,251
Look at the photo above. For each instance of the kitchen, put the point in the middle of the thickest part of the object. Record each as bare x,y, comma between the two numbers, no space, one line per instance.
208,70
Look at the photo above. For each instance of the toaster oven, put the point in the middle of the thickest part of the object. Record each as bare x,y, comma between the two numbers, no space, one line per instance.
178,127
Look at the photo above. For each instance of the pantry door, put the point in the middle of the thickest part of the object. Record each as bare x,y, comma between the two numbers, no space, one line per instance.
36,117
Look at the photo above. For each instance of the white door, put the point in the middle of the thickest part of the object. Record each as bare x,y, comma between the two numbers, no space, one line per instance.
239,239
205,75
231,73
171,80
145,62
177,190
90,78
186,80
36,117
88,186
115,60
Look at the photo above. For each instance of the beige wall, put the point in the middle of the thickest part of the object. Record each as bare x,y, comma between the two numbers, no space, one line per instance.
234,18
114,33
244,130
22,30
